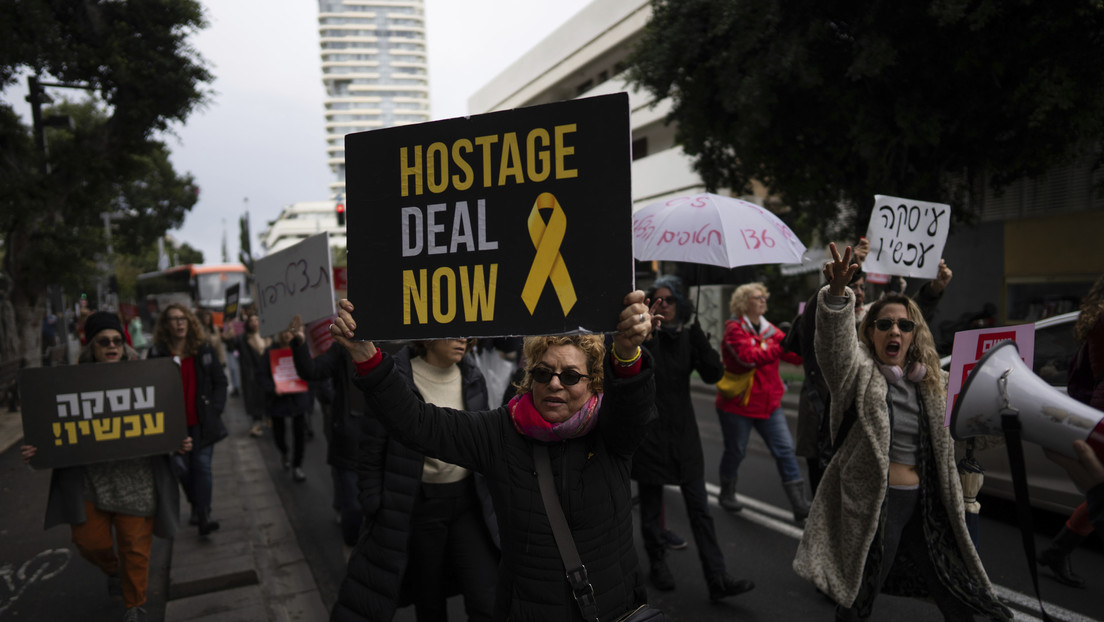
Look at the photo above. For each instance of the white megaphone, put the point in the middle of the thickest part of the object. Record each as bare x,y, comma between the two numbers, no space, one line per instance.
1001,382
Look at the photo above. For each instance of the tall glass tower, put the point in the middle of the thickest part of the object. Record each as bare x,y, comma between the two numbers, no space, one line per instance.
374,67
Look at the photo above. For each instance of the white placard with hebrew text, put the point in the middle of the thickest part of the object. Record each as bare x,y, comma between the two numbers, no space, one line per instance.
906,236
296,280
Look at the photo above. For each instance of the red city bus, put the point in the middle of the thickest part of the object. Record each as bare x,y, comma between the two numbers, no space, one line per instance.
195,285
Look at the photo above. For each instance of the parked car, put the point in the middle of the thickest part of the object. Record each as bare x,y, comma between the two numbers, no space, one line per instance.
1048,484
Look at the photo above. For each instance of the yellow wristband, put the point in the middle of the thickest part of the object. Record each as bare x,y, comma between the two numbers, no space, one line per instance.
624,362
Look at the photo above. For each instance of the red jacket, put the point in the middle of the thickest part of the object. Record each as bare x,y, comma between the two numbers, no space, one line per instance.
743,349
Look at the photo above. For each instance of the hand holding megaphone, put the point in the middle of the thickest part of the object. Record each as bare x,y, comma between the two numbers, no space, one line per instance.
1086,471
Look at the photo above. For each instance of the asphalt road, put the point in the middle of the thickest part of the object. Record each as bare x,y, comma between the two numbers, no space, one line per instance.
759,543
42,578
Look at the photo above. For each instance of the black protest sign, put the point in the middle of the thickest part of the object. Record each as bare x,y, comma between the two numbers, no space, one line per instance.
509,223
233,294
80,414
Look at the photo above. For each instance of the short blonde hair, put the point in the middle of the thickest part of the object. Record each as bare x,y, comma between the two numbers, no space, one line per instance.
738,304
593,347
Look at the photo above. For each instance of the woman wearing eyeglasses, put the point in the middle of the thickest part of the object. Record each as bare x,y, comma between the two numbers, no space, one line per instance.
888,515
588,408
137,498
752,344
179,335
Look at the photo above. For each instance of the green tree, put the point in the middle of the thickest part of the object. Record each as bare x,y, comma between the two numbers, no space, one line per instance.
829,103
142,78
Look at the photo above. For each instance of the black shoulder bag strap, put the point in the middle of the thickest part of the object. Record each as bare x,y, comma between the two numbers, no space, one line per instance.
1011,425
577,577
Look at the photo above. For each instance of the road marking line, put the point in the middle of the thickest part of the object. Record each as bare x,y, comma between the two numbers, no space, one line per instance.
777,519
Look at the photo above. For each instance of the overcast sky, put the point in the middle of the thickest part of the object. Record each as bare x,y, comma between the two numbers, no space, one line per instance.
262,135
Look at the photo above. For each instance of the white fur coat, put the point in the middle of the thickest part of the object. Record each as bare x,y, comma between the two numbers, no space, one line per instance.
844,516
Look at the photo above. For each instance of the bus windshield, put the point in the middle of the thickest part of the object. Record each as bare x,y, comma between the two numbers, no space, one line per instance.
211,288
197,286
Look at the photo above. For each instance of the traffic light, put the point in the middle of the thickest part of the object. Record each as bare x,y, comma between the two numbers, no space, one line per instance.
340,214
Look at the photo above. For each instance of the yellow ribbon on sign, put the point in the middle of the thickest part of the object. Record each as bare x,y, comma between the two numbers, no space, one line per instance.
548,264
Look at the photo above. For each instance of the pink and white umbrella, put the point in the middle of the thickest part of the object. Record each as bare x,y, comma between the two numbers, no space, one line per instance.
714,230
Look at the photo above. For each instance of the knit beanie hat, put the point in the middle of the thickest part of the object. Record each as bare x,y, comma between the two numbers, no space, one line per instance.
100,321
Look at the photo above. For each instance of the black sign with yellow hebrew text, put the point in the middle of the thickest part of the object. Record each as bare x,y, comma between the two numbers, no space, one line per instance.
80,414
508,223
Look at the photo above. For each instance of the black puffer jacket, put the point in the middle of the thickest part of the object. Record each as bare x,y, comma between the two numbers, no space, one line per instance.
671,452
390,476
347,406
591,474
210,393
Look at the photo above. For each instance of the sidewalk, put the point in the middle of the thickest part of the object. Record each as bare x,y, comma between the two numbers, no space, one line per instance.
251,568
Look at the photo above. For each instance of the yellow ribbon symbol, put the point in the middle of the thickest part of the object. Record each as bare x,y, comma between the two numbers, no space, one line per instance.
548,264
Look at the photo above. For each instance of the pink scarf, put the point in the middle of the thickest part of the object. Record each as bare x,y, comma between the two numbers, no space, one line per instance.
529,422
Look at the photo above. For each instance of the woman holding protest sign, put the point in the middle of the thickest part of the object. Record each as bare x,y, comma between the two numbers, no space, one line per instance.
578,417
137,498
179,335
888,515
752,350
283,406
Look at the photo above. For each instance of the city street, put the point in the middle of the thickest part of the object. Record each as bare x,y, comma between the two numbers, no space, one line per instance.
759,543
44,578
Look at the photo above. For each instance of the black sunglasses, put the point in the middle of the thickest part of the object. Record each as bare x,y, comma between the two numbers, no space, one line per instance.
105,342
568,377
667,300
885,324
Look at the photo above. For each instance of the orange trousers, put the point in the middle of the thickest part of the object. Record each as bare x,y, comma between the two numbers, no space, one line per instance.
133,537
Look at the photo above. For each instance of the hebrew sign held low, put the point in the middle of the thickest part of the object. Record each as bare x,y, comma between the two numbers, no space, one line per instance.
80,414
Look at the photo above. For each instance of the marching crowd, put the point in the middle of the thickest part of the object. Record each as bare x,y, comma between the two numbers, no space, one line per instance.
447,486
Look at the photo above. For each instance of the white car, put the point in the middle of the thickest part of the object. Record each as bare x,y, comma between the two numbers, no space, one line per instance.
1048,484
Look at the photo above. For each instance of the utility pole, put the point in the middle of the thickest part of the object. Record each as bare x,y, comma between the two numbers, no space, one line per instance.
36,97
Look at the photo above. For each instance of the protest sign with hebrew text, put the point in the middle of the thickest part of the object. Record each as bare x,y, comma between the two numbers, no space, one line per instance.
295,280
906,237
80,414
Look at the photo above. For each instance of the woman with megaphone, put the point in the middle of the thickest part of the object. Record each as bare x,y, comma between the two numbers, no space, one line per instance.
888,515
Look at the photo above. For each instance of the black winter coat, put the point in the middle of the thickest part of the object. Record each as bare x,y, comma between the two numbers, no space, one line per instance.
285,405
672,452
591,474
390,477
252,367
347,407
210,393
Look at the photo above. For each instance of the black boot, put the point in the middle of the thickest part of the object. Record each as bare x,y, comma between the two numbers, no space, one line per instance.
1057,557
727,498
661,576
206,525
723,584
795,490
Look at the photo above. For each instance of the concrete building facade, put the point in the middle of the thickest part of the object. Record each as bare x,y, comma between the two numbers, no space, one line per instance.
1033,252
374,69
299,221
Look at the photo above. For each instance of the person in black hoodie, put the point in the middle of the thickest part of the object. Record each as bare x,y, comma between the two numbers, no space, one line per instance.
671,452
179,335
